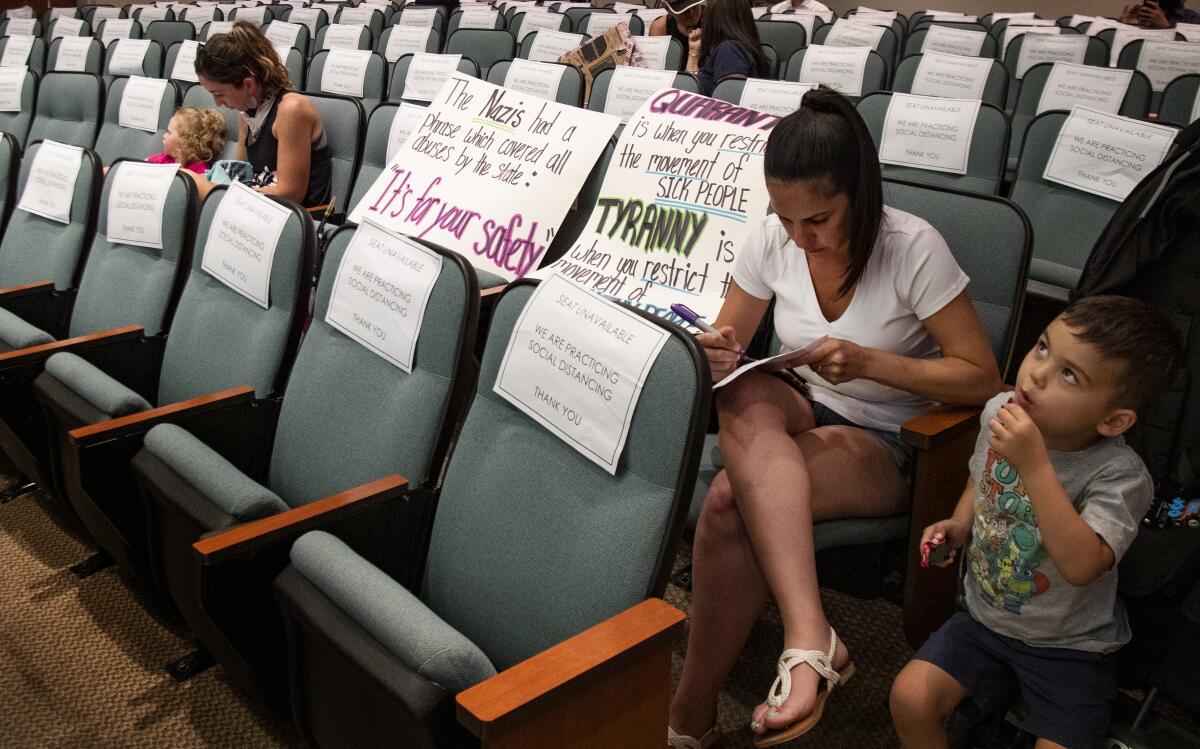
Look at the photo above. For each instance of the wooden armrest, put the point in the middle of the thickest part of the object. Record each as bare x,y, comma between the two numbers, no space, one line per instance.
248,537
317,210
27,289
31,354
493,291
141,422
519,693
937,425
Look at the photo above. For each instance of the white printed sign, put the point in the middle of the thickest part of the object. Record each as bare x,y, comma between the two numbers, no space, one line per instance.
598,23
478,19
649,15
342,36
1071,85
12,84
549,46
127,57
540,79
1163,62
532,22
56,13
283,51
928,132
465,176
1012,32
242,242
1104,154
806,20
226,9
72,53
16,52
22,12
185,62
403,40
104,14
218,27
344,71
683,192
50,187
1041,48
140,103
66,27
283,33
840,68
382,289
952,17
951,76
950,41
850,34
576,364
309,17
997,17
360,16
779,98
423,17
116,28
197,17
408,117
1077,20
1124,36
136,200
20,26
629,88
147,16
654,50
427,73
1189,31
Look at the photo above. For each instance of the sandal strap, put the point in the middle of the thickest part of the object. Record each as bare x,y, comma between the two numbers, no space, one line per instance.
821,662
679,741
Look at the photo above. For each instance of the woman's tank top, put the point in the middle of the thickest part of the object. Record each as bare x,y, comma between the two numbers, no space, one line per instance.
674,32
264,152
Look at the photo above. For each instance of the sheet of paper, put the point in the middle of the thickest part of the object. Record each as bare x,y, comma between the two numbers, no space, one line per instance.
20,26
72,53
283,33
361,16
1190,31
185,62
140,103
548,46
427,73
1039,48
654,50
408,118
423,17
598,23
1105,154
342,36
136,199
50,187
840,68
533,21
629,88
218,27
476,19
242,242
926,132
1070,85
1163,62
148,16
12,84
344,71
773,364
951,76
116,28
309,17
779,98
1124,36
22,12
66,27
16,52
576,364
404,40
1012,32
953,41
850,34
540,79
127,57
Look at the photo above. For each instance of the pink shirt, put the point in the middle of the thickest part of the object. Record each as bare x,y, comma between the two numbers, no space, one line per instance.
199,167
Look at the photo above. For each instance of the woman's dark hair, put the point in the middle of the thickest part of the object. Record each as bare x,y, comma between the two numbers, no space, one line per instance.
826,139
732,21
242,53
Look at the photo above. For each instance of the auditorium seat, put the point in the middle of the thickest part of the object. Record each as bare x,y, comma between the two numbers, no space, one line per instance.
785,37
135,31
320,22
36,61
439,21
570,86
301,43
985,162
888,46
374,24
874,77
374,78
521,35
603,80
84,30
519,560
433,45
374,153
37,28
167,33
916,39
17,124
526,46
69,109
10,167
1130,55
349,423
152,61
399,73
364,39
637,27
1095,54
1177,100
220,346
145,19
456,17
116,142
197,96
93,62
345,124
576,14
994,89
485,46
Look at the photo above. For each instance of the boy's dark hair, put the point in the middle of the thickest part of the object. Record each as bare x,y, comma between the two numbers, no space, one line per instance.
1137,334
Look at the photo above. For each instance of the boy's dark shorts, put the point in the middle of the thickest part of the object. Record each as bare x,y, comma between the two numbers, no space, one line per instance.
1065,695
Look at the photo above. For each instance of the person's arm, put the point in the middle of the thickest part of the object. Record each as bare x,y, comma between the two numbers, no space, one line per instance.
241,144
730,59
965,374
738,320
658,27
1078,552
693,52
296,127
1150,16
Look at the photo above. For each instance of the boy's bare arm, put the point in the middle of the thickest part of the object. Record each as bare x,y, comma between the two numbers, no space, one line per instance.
1077,551
956,529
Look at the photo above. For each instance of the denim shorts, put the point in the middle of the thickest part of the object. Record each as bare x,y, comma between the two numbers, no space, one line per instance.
900,452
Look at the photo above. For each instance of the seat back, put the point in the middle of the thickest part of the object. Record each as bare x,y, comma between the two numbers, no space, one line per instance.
396,80
373,19
433,44
364,38
135,30
916,39
584,25
320,22
785,37
1131,54
526,45
522,35
302,42
570,86
167,33
485,46
296,64
35,248
874,76
5,25
125,284
603,81
152,61
374,153
614,536
990,239
455,20
888,46
84,30
221,339
1178,100
350,416
17,124
10,167
995,89
116,142
578,14
345,123
149,14
36,61
439,17
198,97
69,107
374,78
985,162
93,63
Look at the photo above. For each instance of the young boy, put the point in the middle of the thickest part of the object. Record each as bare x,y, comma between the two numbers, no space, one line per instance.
1053,501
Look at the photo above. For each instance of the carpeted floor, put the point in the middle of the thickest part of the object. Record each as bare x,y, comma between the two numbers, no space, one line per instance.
81,662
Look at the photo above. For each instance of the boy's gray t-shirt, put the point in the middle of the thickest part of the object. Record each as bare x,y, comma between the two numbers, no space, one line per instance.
1012,585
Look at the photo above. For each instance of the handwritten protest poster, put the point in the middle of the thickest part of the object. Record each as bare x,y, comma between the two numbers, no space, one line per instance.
576,364
464,177
1106,154
684,189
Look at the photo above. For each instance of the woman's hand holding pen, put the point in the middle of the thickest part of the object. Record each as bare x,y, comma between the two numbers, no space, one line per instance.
723,351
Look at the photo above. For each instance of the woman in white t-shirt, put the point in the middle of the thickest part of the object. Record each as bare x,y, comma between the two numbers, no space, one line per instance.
883,286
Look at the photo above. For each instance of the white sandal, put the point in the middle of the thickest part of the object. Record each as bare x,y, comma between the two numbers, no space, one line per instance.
781,689
676,741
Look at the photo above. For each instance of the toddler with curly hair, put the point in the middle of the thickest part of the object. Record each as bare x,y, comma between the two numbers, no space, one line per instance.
194,139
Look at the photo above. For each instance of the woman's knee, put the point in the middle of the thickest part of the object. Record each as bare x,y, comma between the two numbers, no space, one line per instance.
719,518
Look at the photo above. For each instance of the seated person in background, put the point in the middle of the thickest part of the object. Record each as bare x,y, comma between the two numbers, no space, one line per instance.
800,6
280,134
1159,14
1053,501
902,334
682,22
728,45
194,139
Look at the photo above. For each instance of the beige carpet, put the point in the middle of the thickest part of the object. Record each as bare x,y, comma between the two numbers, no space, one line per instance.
81,662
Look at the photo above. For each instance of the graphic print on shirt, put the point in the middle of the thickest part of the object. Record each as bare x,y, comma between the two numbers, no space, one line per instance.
1006,549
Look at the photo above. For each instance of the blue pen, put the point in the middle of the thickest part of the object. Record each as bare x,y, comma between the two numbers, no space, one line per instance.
691,317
